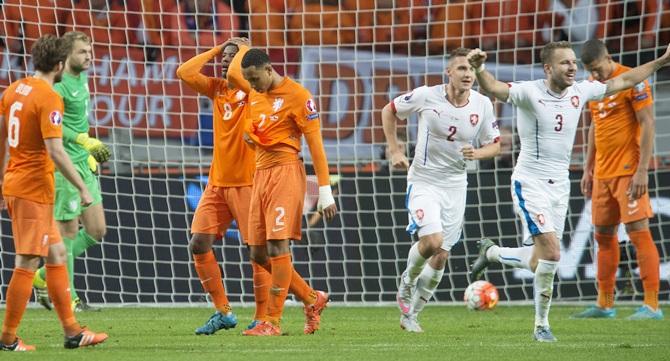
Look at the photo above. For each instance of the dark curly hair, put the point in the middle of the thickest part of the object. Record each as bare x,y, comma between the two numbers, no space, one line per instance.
47,52
255,57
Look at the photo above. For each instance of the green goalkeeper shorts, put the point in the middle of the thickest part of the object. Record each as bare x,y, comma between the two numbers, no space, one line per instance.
68,204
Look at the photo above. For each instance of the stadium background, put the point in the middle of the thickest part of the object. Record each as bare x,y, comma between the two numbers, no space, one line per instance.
365,53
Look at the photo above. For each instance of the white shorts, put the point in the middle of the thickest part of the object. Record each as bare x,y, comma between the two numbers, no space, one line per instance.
542,205
432,210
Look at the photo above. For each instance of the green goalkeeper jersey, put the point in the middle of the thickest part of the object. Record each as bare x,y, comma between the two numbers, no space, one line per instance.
74,91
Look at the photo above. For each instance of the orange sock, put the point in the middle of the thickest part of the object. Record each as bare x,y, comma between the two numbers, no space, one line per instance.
262,282
210,277
302,290
59,291
608,262
282,272
648,260
18,294
298,287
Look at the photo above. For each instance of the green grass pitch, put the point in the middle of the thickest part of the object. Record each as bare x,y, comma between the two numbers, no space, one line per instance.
351,333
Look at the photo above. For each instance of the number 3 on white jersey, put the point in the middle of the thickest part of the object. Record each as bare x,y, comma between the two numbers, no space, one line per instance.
14,125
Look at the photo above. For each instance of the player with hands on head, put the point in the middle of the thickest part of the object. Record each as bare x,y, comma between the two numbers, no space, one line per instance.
451,117
548,114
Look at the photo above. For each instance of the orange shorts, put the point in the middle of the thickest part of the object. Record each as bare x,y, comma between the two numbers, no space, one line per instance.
276,203
611,206
33,226
218,207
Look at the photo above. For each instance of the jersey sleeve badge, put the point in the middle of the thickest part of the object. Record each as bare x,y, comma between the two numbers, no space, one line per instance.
56,118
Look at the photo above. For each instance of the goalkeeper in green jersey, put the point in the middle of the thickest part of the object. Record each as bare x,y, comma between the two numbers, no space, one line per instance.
86,153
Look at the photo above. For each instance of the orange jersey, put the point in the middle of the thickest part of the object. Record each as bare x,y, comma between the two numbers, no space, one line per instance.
233,160
277,121
617,130
32,112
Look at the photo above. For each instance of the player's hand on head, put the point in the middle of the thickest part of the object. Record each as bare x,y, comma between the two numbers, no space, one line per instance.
476,57
399,161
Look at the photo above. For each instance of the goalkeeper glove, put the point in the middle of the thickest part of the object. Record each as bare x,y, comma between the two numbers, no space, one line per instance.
96,148
325,198
92,164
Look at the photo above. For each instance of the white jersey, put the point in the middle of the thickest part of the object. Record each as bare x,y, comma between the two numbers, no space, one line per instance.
547,123
443,131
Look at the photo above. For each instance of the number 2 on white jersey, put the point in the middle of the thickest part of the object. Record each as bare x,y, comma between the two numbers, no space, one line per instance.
14,125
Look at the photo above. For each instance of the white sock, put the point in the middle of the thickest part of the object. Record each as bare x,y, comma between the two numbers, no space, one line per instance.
415,263
543,287
517,257
425,287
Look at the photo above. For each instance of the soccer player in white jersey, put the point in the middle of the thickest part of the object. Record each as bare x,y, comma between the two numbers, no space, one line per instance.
548,113
452,117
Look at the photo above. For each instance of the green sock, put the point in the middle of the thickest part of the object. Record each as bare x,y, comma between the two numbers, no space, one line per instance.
43,273
70,266
82,242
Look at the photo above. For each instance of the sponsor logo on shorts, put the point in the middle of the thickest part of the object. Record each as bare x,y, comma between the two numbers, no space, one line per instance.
73,205
45,240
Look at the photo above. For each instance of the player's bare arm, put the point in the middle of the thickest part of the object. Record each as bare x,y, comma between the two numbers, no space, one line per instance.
488,151
486,80
326,203
586,183
62,161
390,124
3,156
637,75
640,181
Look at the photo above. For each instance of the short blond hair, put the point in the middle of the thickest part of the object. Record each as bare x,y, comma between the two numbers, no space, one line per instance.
71,36
549,49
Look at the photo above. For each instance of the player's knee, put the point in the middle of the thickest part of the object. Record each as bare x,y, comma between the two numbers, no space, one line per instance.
200,245
640,225
57,254
29,262
440,259
258,255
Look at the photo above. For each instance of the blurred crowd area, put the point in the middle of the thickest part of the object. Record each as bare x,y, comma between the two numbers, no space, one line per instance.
513,30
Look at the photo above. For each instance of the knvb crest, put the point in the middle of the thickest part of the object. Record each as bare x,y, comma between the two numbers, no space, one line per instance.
276,105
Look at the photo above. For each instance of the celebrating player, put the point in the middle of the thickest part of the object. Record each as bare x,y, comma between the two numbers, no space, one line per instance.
30,123
280,112
451,117
548,113
615,176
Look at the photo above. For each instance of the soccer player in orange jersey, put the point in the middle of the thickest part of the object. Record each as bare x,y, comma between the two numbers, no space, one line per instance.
31,113
620,146
280,112
228,191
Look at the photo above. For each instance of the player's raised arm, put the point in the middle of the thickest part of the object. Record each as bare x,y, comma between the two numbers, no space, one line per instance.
636,75
390,123
234,75
486,80
189,72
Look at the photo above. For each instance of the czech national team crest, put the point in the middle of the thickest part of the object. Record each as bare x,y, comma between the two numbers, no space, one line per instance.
419,214
575,101
55,117
474,119
540,219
